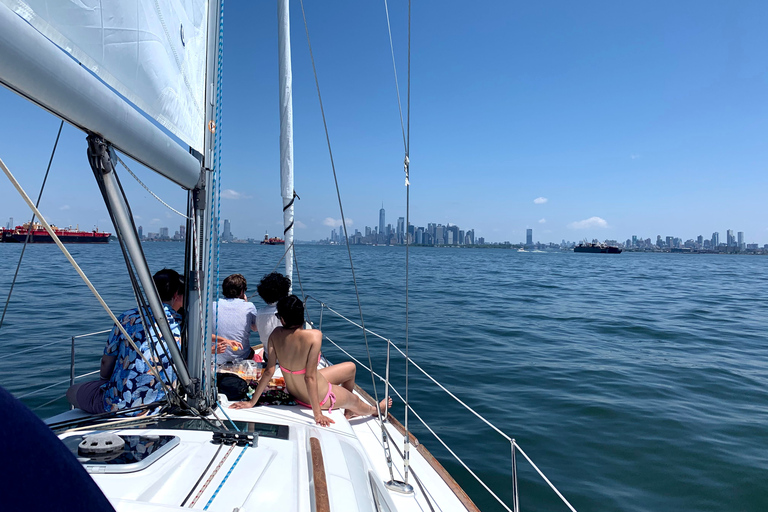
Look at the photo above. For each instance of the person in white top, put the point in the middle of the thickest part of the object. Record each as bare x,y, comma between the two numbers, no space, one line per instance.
271,289
233,319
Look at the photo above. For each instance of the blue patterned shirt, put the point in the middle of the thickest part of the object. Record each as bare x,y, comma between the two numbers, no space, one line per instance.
132,383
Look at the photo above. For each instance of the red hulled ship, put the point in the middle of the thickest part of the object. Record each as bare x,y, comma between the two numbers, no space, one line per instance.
38,235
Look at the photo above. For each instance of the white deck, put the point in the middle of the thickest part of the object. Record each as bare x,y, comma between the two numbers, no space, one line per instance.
277,474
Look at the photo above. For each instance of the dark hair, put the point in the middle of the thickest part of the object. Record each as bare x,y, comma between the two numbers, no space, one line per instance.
291,310
273,287
234,286
168,283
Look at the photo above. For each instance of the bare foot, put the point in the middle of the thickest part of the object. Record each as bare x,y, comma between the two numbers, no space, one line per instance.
349,414
383,405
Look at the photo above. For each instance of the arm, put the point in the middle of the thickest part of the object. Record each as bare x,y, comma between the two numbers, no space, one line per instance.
107,366
220,344
269,371
310,378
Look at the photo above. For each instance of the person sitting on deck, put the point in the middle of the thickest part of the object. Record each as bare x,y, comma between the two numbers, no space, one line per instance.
125,379
271,289
233,319
299,349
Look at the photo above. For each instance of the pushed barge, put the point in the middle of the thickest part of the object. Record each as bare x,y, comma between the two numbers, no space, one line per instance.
597,248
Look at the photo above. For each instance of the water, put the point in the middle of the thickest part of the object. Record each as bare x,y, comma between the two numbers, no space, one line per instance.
636,382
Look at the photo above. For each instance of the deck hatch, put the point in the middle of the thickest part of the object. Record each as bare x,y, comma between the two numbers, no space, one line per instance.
139,452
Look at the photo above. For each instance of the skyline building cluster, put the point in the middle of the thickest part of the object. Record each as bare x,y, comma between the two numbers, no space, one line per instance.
386,234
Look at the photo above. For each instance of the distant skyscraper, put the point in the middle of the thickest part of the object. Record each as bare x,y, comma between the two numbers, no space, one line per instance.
729,239
183,232
529,237
141,233
381,221
10,224
226,236
715,239
741,240
400,230
164,233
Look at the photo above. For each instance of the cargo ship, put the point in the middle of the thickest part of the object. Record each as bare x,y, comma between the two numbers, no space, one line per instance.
38,235
597,248
272,241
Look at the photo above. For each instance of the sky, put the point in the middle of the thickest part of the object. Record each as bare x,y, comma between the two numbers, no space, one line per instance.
579,120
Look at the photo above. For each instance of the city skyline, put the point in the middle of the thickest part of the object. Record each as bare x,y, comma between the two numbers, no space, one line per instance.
624,120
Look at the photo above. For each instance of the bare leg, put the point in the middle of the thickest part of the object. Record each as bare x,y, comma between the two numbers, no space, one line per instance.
342,374
354,406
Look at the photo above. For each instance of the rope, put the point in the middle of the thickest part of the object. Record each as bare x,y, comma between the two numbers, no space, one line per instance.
216,492
394,68
426,374
202,475
32,220
213,473
341,208
174,210
81,273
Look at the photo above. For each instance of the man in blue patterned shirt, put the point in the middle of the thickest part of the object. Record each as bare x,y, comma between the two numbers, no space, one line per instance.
126,380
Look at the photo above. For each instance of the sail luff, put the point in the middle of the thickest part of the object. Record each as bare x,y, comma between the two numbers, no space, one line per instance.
286,129
35,68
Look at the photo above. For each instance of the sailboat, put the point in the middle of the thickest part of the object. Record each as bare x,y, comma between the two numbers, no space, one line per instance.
146,84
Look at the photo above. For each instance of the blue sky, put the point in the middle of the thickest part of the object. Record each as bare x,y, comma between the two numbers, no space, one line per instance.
620,118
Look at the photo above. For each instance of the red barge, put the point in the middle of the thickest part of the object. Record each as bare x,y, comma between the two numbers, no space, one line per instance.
38,235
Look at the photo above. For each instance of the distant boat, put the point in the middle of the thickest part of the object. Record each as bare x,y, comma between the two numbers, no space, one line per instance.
272,241
38,235
597,248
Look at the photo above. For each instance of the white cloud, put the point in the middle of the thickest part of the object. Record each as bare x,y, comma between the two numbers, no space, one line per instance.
540,200
228,193
299,224
542,221
65,207
334,223
634,156
592,222
155,221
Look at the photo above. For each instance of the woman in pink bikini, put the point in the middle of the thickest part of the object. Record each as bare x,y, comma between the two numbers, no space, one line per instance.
298,351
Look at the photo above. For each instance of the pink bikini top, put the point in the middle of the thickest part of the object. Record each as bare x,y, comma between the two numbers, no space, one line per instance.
299,372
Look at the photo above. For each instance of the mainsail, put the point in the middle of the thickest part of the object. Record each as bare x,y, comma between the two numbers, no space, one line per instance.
153,52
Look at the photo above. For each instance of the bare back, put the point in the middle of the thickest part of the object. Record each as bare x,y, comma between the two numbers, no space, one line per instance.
298,349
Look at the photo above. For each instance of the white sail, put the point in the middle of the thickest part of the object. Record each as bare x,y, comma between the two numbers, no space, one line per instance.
153,52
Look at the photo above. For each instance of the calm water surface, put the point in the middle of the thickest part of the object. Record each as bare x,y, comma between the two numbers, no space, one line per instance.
636,382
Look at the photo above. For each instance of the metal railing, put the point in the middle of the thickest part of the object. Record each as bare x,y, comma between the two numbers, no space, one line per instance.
72,377
514,446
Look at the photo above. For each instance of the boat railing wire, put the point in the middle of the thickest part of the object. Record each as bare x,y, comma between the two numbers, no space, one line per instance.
514,446
72,377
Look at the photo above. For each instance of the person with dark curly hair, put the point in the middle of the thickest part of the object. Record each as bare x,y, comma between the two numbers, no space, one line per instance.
319,389
271,289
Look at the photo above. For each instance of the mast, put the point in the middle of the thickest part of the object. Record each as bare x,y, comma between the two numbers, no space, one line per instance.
286,129
201,285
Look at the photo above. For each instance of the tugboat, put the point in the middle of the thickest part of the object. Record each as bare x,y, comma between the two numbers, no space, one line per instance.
38,235
272,241
597,248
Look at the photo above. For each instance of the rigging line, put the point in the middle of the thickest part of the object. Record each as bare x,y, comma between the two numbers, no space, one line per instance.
29,231
298,274
407,163
143,307
202,475
78,269
216,492
341,209
394,67
174,210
